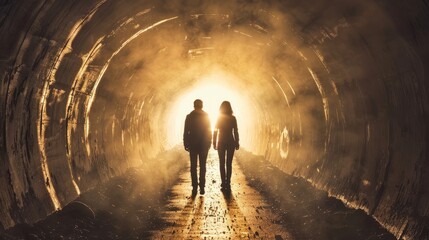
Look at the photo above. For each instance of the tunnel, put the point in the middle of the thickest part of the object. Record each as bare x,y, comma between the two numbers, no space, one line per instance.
332,92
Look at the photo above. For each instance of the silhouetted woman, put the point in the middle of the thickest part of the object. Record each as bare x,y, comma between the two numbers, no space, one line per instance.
226,141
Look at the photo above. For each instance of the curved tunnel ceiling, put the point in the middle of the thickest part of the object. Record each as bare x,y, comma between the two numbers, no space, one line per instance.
337,89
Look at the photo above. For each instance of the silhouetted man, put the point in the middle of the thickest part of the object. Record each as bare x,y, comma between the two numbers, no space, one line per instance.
197,140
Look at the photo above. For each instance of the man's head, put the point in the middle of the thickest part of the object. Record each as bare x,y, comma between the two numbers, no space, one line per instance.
198,104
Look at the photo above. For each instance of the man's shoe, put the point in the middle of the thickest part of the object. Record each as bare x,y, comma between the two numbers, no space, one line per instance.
194,191
202,191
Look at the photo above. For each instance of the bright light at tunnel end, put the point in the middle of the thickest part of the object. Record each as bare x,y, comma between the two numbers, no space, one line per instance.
212,89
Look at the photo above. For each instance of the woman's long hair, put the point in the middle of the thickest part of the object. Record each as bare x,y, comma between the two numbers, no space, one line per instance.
225,108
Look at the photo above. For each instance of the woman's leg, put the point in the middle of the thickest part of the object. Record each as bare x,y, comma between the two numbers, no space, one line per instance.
221,153
229,156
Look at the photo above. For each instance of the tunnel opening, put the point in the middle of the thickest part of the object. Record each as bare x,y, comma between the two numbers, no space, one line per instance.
212,89
335,93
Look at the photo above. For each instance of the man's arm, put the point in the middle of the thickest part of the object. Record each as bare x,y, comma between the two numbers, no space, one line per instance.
209,131
186,134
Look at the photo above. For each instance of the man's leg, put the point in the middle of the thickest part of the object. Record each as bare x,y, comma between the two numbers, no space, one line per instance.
203,161
193,157
221,153
229,156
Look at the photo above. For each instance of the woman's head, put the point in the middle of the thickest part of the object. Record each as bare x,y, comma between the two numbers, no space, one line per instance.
225,108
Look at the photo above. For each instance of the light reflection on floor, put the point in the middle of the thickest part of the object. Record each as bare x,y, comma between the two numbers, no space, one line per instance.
242,214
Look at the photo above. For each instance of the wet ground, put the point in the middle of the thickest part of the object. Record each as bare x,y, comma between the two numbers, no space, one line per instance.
155,202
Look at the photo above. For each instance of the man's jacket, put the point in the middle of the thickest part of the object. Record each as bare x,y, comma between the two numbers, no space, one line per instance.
197,134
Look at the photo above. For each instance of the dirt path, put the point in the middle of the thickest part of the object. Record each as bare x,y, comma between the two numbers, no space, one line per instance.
243,213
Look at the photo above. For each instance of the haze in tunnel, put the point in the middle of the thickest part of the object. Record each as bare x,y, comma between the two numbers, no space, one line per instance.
337,91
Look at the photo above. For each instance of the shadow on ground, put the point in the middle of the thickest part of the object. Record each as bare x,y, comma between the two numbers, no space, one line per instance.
309,213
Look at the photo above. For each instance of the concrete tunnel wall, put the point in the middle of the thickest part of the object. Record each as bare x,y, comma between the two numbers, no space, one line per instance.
338,87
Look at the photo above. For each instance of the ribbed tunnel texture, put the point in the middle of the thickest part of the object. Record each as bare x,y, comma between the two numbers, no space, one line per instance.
338,88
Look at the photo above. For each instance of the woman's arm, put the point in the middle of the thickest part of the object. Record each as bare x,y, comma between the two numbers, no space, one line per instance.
215,132
215,138
236,135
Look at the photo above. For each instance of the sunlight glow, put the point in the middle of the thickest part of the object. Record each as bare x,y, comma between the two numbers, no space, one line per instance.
212,90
